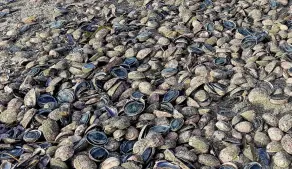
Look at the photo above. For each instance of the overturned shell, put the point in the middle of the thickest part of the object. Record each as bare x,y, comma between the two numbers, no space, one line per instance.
66,96
253,165
45,99
127,146
134,107
32,136
176,124
119,72
170,95
98,154
165,164
96,137
229,24
248,42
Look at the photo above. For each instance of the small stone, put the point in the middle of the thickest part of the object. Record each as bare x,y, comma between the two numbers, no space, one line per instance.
12,32
285,123
261,139
208,160
244,127
199,144
64,152
287,143
229,153
270,119
275,134
281,159
274,147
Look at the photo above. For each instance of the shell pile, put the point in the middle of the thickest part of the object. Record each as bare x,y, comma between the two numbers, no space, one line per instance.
175,84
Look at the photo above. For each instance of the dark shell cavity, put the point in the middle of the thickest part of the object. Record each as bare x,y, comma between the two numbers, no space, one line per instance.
170,95
44,112
96,138
127,146
286,47
163,129
264,157
209,27
46,98
147,154
137,95
132,62
8,154
165,164
220,61
260,36
176,124
196,49
229,24
244,31
98,154
32,135
248,42
134,107
34,71
119,72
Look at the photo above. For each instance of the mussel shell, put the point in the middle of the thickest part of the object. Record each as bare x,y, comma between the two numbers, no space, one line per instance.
88,67
209,27
195,49
229,24
44,112
286,47
127,146
228,166
98,154
163,129
112,111
134,107
81,87
260,36
166,106
32,135
137,95
119,72
176,124
34,71
170,95
96,138
148,154
264,157
220,61
244,31
248,42
46,98
66,96
132,61
253,165
15,152
165,164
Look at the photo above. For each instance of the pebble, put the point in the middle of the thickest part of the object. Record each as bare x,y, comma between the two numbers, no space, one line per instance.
261,139
281,159
285,123
283,2
145,88
275,134
287,143
244,127
12,32
274,146
56,163
223,126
